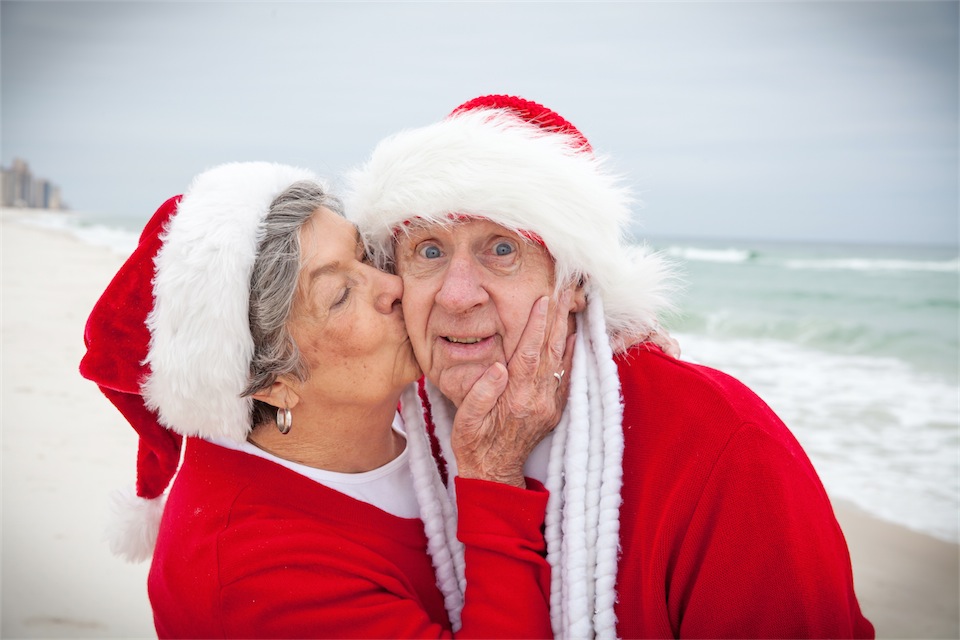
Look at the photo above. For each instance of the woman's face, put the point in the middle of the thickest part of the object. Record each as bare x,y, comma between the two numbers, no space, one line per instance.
347,321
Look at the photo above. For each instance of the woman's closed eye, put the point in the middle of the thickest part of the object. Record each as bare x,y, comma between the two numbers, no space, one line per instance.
342,298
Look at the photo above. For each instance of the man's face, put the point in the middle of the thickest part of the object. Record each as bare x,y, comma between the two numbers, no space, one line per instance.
468,289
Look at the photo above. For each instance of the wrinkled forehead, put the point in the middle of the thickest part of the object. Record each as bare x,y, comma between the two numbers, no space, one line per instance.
451,223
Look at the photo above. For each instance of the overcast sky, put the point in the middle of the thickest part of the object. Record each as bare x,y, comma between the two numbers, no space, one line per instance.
802,120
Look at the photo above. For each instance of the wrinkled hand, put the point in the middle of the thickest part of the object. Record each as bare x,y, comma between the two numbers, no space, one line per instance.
509,410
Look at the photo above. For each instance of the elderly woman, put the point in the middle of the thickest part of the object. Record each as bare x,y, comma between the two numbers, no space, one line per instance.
249,325
680,505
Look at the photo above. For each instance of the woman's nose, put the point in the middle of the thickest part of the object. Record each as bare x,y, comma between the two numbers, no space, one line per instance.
388,292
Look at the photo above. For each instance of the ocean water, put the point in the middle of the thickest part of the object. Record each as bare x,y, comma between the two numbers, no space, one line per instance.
855,347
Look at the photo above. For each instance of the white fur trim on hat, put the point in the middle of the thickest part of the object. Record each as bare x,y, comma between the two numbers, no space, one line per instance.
492,164
200,346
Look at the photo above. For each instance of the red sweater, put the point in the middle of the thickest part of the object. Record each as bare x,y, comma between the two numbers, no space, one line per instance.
249,549
725,528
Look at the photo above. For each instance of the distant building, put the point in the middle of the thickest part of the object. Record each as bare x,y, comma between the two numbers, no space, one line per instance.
21,189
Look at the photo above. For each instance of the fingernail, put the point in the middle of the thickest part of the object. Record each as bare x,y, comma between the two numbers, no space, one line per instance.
497,371
544,304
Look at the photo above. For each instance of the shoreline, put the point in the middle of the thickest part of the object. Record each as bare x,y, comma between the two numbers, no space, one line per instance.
907,582
65,448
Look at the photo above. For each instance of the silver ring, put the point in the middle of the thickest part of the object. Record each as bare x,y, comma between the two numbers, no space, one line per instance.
559,376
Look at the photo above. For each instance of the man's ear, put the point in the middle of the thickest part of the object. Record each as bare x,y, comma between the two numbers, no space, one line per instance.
280,394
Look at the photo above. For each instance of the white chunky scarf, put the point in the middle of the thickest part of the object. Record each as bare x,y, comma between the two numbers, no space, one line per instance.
584,477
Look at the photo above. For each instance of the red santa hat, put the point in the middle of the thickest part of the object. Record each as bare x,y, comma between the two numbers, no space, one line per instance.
169,340
527,168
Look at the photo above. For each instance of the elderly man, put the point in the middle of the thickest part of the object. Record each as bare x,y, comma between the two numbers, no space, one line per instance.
680,505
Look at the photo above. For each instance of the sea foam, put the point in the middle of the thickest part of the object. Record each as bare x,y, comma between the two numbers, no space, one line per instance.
880,434
731,255
117,240
862,264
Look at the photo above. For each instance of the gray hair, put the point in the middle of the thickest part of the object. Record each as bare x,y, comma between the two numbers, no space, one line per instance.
273,287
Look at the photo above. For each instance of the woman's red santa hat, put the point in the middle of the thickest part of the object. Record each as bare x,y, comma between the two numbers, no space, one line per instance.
170,360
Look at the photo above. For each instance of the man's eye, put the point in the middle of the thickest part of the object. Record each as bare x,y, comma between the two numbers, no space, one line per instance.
503,249
430,251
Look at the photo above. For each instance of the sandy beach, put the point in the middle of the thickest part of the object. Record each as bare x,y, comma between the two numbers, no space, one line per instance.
65,448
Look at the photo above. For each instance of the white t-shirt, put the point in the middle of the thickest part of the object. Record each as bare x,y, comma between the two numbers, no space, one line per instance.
389,488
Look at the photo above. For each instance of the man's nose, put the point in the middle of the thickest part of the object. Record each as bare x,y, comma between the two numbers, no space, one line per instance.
462,287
